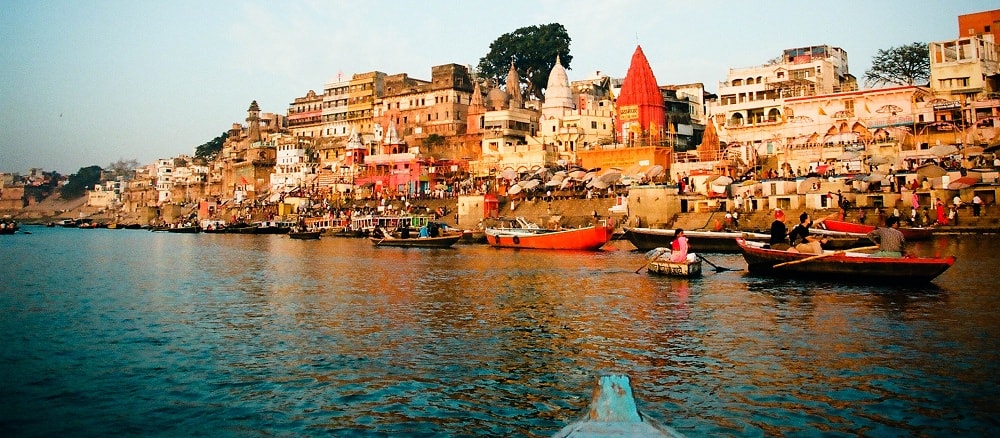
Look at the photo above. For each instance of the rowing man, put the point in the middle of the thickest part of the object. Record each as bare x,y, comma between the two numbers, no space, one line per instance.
889,239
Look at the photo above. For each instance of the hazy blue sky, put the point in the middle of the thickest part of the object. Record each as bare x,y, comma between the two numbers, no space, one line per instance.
90,82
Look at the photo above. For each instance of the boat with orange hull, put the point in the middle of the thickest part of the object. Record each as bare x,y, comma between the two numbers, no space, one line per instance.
842,265
589,238
909,233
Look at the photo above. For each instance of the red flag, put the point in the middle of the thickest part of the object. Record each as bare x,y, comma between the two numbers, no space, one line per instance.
243,181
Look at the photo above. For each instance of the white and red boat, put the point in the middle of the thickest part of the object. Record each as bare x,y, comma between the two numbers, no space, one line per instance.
533,237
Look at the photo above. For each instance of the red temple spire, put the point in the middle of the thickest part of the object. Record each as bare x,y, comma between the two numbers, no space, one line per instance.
640,105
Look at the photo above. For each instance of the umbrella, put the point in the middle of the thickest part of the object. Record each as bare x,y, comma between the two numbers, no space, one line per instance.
561,173
963,182
972,151
876,176
722,181
553,183
514,189
931,171
587,176
807,184
654,171
943,150
879,159
611,176
508,174
598,184
849,156
578,174
558,178
530,184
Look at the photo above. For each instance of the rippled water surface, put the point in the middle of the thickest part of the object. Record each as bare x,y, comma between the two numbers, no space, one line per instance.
121,332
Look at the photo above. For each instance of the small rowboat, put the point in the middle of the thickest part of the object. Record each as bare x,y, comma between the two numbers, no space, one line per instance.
613,413
304,235
910,234
842,265
675,269
445,241
659,263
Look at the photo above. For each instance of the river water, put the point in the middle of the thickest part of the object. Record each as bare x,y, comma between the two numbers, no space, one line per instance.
127,332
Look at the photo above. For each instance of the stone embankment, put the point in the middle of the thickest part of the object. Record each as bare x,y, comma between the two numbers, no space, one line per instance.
564,212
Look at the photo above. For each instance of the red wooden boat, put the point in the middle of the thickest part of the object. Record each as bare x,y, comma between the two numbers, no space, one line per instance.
853,227
588,238
842,265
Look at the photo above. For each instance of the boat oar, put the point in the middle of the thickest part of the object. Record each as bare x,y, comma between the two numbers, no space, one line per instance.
808,259
717,268
650,256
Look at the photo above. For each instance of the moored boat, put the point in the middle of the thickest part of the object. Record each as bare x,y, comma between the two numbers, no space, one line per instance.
190,229
444,241
909,233
589,238
8,227
698,240
304,234
842,265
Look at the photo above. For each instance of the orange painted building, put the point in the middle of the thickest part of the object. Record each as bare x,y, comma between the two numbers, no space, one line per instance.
980,23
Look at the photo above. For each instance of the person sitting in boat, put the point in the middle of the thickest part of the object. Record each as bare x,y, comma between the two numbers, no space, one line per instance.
779,232
802,241
889,239
679,247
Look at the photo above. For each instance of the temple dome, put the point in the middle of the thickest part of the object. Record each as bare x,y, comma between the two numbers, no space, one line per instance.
558,93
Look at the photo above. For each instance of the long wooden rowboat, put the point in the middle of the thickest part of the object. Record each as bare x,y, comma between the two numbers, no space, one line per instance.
418,242
842,265
698,240
587,238
909,233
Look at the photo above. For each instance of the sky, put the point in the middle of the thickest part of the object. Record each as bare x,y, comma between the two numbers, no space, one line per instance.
91,82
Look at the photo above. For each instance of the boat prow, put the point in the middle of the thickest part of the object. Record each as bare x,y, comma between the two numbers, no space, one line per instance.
613,413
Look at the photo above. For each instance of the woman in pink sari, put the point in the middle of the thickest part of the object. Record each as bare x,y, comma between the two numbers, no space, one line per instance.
679,247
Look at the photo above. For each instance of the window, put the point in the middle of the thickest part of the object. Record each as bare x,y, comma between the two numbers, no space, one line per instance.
593,124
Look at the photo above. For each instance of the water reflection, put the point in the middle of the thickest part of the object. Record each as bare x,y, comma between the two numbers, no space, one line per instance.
266,335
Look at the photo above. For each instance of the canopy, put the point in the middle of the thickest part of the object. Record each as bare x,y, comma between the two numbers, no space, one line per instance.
610,176
963,182
931,171
721,180
514,189
972,151
807,184
943,150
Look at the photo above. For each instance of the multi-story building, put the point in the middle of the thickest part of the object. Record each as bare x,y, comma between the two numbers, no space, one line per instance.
753,96
420,109
294,166
965,75
365,88
334,114
305,115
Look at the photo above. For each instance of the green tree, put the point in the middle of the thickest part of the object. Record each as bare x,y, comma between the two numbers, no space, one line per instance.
210,150
533,50
903,65
433,140
80,182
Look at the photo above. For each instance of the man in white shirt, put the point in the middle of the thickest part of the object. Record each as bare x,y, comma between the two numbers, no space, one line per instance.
977,205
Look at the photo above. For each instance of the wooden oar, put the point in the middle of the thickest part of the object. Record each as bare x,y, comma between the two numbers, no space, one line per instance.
717,268
807,259
656,254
